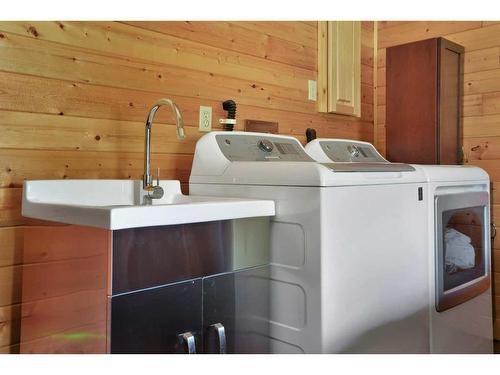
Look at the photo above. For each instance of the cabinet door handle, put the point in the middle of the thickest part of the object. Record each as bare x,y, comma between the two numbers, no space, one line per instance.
189,341
221,336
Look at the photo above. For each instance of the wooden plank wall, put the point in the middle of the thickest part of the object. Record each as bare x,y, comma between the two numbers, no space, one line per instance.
481,109
74,97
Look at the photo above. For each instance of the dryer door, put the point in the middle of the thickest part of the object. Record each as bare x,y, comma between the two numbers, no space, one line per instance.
462,246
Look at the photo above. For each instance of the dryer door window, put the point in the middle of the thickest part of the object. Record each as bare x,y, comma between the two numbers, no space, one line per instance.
463,250
463,246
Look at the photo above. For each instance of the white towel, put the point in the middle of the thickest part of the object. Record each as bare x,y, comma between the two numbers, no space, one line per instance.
454,236
459,251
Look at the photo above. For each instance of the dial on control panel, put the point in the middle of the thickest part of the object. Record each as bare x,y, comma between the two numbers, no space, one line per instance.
265,145
353,150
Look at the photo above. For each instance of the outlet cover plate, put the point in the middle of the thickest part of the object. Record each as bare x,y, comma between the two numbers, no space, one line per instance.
205,124
312,89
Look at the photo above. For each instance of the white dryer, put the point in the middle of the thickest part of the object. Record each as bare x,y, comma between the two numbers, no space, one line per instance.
348,273
460,301
460,286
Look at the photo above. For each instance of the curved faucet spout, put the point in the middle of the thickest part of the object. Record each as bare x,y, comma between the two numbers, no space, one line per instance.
178,116
147,181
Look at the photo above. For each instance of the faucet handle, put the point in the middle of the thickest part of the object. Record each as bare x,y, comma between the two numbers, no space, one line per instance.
155,191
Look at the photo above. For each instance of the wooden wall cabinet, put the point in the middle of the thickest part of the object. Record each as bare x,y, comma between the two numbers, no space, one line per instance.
424,102
339,67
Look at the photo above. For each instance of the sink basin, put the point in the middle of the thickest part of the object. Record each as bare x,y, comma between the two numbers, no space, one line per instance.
119,204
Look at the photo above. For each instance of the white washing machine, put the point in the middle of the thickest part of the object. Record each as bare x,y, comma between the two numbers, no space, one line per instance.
460,301
348,273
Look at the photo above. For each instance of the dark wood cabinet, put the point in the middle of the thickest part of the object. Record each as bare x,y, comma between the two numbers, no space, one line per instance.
424,102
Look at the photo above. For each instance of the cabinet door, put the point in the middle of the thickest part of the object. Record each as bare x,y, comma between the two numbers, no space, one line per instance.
153,320
451,58
340,67
236,312
411,102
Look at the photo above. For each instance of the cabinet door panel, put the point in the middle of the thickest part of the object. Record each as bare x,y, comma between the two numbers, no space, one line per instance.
238,301
424,102
411,109
344,67
450,103
151,321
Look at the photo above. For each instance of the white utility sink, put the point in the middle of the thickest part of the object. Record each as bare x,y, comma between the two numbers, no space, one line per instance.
118,204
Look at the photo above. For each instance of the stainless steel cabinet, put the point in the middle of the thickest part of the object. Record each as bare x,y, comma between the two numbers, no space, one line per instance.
227,313
239,302
152,321
198,288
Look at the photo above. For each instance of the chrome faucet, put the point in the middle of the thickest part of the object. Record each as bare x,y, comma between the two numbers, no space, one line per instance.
155,191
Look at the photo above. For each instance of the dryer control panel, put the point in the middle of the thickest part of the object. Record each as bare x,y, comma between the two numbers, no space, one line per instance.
351,151
236,147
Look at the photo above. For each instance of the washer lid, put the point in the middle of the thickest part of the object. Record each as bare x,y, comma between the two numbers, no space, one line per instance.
369,167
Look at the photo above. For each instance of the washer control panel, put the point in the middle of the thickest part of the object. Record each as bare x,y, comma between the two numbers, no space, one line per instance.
243,147
351,151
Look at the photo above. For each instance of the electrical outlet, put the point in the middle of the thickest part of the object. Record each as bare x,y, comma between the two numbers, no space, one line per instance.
312,89
205,119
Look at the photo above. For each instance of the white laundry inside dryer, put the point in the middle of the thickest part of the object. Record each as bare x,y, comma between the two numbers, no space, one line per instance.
459,253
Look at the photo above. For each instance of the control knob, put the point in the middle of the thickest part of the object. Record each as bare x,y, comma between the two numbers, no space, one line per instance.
353,150
265,145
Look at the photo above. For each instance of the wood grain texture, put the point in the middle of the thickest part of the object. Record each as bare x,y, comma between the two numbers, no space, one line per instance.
54,244
10,349
10,325
86,339
74,98
17,165
10,285
482,81
54,279
65,133
482,126
291,31
481,100
270,41
482,148
52,315
122,40
64,287
482,60
11,246
54,132
51,60
406,32
10,210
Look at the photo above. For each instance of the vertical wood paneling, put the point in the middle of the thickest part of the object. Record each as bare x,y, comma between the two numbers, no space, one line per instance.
481,108
74,97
